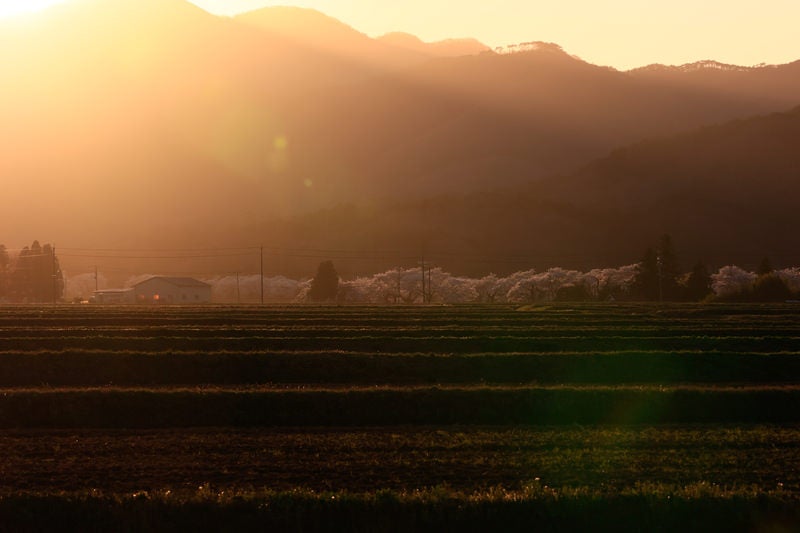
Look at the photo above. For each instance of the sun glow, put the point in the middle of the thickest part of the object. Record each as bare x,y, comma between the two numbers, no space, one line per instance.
9,8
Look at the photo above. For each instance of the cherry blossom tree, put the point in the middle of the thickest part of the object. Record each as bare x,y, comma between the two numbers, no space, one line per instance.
731,279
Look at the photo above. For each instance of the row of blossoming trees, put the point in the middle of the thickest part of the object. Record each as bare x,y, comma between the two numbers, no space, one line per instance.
657,277
404,286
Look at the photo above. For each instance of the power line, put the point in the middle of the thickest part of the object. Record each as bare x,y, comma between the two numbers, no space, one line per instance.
204,256
376,256
156,250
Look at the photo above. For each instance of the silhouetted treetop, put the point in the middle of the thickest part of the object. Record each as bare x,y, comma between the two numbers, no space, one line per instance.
765,267
34,277
325,285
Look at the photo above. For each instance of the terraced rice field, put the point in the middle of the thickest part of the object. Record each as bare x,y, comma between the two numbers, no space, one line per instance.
400,418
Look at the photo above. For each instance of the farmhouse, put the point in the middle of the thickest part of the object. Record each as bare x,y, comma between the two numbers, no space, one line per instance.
168,290
114,296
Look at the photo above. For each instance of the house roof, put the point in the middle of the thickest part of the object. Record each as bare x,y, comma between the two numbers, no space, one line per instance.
112,291
178,282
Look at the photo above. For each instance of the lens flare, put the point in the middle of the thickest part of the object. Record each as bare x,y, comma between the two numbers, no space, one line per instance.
10,8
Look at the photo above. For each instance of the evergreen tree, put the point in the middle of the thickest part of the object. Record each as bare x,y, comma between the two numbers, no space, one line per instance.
765,267
770,288
20,277
698,284
37,276
645,284
5,266
40,273
325,285
50,279
668,270
658,272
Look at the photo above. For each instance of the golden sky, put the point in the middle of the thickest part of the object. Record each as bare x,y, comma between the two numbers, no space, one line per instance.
14,7
620,33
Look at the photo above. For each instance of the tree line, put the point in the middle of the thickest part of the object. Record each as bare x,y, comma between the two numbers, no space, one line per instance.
34,276
31,276
657,277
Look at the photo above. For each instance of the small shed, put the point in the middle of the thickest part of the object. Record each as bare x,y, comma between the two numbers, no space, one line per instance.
114,296
172,291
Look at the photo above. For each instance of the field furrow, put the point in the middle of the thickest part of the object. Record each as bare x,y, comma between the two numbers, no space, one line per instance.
296,416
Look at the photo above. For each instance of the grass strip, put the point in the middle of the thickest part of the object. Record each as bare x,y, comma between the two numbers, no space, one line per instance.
697,507
121,408
74,368
399,344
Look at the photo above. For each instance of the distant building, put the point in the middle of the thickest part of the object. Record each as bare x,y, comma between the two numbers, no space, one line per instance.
172,291
114,296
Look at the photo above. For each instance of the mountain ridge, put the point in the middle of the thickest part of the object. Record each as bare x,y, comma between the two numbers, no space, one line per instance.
315,30
444,48
726,193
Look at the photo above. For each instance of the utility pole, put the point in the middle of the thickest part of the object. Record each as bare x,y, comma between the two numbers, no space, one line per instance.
424,294
427,284
238,294
430,286
262,275
659,264
55,282
96,288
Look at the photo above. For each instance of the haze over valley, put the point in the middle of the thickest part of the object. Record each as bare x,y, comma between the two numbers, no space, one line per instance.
155,124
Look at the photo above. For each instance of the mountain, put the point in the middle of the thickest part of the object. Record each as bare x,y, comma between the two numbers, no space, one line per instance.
313,29
114,108
317,31
726,193
445,48
478,121
724,79
154,123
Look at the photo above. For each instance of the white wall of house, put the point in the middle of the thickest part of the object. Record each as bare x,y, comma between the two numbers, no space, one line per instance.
114,296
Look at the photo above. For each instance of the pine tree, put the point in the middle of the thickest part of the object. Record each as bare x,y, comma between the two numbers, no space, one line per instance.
36,276
645,283
5,264
698,284
770,288
325,285
51,279
658,272
668,270
765,267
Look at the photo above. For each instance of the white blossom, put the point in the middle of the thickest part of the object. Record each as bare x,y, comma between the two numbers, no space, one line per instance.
731,279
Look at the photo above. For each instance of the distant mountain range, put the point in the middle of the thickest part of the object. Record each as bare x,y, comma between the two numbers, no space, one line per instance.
139,121
726,194
445,48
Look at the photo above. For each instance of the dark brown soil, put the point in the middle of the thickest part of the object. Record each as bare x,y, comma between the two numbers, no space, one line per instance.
395,458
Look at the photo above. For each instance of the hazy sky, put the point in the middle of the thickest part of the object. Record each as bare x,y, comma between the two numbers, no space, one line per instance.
621,33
